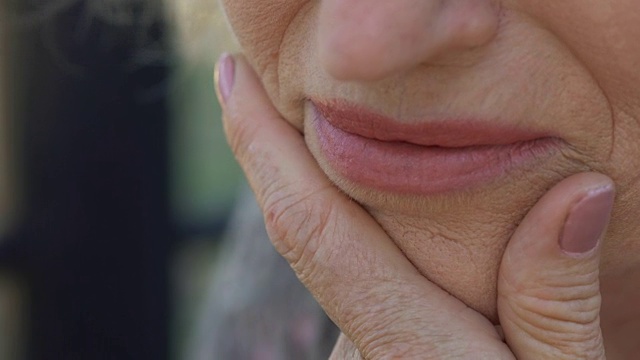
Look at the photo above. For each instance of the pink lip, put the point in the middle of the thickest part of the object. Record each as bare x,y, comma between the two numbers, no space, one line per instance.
430,157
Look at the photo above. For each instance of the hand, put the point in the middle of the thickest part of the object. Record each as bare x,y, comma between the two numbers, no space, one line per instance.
548,291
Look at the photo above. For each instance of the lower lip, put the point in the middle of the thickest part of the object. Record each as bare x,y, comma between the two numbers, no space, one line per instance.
405,168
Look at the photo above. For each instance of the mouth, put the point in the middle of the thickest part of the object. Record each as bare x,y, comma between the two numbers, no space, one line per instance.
423,158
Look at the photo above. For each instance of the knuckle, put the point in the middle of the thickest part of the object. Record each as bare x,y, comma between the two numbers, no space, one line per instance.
297,224
568,324
572,299
553,317
576,303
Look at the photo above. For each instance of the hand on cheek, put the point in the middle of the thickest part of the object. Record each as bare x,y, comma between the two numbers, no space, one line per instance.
549,297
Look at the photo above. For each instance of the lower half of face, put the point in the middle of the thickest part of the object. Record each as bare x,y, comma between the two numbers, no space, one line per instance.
448,123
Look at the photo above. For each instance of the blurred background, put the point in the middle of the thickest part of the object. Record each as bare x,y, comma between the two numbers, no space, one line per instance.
115,178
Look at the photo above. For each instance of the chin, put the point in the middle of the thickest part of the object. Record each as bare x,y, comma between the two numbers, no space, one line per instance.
456,244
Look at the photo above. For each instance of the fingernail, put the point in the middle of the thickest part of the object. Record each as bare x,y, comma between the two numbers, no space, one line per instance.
225,76
587,220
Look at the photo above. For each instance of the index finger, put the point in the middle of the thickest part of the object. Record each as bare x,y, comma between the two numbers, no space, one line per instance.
355,271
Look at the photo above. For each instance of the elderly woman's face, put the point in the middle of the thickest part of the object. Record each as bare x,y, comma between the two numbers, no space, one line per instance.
447,120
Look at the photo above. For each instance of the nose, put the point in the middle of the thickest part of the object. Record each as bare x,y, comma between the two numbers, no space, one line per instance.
372,39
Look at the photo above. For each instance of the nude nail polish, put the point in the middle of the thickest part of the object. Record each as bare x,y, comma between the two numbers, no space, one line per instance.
225,76
587,221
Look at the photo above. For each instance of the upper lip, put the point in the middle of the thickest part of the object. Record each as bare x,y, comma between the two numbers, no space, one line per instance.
452,132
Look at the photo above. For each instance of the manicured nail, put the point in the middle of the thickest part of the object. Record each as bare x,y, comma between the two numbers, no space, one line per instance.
587,220
225,76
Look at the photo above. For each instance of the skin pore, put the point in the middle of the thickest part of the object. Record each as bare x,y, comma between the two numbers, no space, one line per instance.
565,68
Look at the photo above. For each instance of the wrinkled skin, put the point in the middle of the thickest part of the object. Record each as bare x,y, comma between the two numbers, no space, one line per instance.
567,67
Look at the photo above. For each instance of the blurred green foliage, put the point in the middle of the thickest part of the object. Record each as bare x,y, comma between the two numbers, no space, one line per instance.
204,173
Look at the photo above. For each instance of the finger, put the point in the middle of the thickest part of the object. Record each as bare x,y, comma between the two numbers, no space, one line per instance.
548,289
357,274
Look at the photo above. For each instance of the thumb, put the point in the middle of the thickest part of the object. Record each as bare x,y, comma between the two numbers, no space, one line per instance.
548,288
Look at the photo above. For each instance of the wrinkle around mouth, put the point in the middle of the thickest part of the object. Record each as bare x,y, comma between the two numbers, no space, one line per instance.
278,64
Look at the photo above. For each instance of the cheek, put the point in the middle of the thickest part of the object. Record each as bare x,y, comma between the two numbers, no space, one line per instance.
259,27
603,37
272,35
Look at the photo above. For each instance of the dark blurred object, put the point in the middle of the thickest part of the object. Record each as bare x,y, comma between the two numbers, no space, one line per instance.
95,236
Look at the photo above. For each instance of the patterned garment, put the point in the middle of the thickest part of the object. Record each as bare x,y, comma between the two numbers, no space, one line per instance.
257,309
